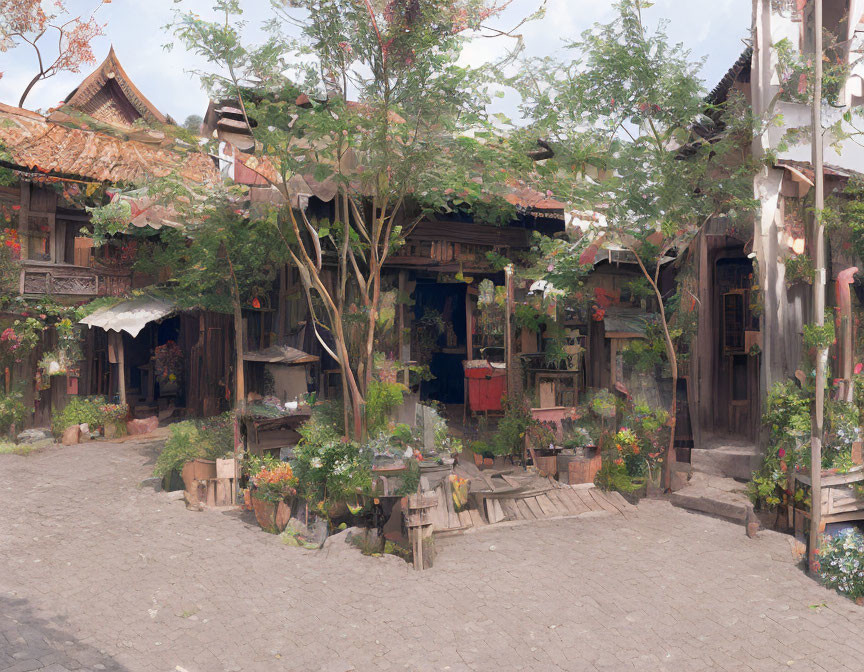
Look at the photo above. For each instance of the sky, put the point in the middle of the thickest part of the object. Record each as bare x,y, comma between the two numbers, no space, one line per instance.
714,31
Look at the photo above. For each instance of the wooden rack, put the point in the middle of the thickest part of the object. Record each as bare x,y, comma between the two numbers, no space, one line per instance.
839,503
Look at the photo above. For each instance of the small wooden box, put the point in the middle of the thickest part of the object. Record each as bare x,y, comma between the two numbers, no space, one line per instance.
226,468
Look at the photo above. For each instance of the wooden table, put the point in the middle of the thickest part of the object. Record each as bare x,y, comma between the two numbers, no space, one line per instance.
265,434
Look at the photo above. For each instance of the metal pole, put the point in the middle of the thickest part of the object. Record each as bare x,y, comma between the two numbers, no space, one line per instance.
818,242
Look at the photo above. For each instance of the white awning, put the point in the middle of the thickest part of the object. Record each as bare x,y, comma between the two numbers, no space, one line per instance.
130,316
280,354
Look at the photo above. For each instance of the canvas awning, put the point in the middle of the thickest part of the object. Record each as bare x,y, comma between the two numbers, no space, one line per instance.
131,315
280,354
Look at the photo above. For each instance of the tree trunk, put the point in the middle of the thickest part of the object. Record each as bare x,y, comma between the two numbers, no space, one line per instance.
673,363
240,374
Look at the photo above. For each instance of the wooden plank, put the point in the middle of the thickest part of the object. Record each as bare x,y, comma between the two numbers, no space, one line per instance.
509,507
600,498
563,502
465,519
494,512
587,500
476,518
548,507
511,481
618,500
535,507
524,511
575,500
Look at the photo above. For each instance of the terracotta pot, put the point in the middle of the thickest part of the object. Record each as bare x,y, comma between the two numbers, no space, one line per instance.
478,459
265,514
859,601
272,517
247,499
283,515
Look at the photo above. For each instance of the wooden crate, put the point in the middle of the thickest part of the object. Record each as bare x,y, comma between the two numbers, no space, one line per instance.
584,470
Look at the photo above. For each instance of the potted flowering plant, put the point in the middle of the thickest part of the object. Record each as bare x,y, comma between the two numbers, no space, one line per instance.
273,486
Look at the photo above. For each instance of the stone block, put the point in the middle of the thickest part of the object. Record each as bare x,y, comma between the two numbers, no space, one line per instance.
143,425
71,436
35,435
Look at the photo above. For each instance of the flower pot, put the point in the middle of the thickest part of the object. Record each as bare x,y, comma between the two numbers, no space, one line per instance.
247,499
272,517
478,459
859,601
283,515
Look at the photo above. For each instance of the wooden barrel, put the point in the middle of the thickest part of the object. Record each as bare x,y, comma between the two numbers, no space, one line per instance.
548,465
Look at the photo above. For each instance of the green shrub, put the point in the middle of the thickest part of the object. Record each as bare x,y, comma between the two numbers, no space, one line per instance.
382,399
614,476
79,410
12,410
196,439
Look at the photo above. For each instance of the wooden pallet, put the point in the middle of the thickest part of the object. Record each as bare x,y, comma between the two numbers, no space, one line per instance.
540,502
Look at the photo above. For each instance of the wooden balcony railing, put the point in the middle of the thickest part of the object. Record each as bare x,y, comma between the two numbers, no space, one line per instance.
38,278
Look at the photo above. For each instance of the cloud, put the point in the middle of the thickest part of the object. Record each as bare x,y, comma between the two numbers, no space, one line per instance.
136,30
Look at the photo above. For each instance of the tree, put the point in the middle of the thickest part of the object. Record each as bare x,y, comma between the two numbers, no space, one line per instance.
635,142
399,150
193,123
70,35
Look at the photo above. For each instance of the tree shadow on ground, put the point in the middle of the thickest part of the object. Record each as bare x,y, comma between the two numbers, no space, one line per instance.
33,643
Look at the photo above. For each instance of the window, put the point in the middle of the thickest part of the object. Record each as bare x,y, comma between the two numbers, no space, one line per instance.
38,237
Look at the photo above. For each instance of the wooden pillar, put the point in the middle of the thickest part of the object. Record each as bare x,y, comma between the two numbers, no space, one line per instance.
469,349
121,365
508,329
818,241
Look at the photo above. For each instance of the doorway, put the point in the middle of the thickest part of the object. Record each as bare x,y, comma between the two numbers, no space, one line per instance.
439,339
737,349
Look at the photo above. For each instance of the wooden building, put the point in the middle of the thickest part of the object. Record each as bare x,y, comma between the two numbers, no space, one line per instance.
85,146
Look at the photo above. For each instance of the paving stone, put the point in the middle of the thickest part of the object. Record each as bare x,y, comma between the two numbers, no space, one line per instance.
97,573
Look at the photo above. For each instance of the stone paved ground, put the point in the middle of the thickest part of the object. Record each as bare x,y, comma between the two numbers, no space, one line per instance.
96,573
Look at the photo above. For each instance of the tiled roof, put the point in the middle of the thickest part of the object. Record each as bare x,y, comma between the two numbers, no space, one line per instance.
109,95
739,70
38,145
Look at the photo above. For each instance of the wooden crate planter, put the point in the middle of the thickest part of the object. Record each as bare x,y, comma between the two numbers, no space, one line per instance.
584,470
838,504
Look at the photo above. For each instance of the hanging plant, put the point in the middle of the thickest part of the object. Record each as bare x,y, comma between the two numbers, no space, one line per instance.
799,268
168,362
55,363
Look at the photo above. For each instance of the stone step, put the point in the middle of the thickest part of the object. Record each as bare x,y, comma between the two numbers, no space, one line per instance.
732,461
716,496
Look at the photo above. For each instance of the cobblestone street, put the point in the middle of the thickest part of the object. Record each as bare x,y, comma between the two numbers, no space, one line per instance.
99,574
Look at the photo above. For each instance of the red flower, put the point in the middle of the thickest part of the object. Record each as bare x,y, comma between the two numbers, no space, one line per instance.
619,461
859,367
781,452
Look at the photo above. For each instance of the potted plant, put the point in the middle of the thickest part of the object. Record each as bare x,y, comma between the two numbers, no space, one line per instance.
273,490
